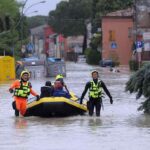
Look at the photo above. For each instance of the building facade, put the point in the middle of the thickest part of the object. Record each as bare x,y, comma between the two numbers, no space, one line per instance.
117,39
47,42
142,28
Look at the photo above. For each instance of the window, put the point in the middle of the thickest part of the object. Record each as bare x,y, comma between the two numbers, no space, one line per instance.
112,35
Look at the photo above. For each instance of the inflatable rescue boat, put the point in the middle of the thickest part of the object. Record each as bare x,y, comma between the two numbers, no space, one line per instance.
56,107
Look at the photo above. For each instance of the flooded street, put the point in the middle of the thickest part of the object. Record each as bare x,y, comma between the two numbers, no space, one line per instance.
120,127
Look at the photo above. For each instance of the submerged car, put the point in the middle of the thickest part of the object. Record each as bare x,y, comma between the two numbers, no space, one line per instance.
107,63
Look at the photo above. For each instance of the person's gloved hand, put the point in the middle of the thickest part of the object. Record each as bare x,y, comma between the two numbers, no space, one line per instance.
11,90
111,100
37,97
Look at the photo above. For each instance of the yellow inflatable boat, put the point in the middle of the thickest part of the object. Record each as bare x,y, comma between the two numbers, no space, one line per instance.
56,107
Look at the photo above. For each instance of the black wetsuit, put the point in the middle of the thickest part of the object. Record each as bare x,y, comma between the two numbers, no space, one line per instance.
95,102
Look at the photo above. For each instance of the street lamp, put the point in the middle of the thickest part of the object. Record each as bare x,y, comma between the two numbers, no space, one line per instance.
135,19
32,5
36,11
23,12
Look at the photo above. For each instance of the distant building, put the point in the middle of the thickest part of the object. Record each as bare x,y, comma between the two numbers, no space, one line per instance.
75,44
47,42
117,36
37,38
142,27
74,47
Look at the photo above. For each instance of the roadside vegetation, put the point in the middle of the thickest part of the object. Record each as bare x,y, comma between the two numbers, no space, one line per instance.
139,83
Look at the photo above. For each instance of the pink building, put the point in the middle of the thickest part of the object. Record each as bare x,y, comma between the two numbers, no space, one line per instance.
117,36
47,32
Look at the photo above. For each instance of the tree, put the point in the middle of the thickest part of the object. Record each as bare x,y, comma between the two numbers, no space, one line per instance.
139,83
36,21
69,17
22,27
9,10
92,56
106,6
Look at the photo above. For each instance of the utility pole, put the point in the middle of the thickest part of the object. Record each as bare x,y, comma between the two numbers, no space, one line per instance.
93,16
135,20
23,12
137,47
22,15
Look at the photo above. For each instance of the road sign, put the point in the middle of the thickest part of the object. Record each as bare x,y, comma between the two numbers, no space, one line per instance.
113,45
30,47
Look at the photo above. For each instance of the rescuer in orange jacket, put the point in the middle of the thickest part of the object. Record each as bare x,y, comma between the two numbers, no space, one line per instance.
22,89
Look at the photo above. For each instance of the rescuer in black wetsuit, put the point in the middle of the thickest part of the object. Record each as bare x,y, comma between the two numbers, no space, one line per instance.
95,88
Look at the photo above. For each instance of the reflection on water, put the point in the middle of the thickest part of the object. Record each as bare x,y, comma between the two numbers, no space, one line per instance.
20,123
119,127
142,121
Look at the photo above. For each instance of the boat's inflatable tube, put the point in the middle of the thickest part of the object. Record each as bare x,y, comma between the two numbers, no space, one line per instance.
55,107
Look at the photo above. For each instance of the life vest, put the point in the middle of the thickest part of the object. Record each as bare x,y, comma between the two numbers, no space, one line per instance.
95,90
23,90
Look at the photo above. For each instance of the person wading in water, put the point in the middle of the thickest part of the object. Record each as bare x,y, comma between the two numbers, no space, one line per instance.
95,87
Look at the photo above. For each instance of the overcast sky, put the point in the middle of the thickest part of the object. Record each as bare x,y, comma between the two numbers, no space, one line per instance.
42,8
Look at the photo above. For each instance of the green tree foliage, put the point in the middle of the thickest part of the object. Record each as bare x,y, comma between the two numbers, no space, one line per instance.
92,56
69,17
106,6
9,10
134,65
36,21
23,27
139,83
96,41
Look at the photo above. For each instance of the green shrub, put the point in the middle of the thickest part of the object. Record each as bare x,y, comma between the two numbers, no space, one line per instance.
145,63
117,63
133,65
92,56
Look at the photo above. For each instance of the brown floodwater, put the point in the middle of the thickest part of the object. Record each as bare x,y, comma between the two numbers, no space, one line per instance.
120,127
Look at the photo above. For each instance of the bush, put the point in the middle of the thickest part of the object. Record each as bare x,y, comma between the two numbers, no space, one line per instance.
114,57
92,56
144,63
133,65
116,63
